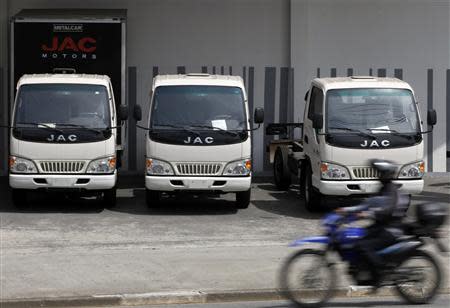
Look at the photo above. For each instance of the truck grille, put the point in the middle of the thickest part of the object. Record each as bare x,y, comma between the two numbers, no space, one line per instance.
198,168
366,173
62,166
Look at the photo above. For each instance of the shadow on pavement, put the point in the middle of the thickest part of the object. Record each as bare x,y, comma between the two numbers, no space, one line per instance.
427,196
53,203
289,209
290,202
284,202
183,205
447,185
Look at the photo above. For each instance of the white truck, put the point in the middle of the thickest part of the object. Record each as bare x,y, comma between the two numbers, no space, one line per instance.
347,122
198,137
64,136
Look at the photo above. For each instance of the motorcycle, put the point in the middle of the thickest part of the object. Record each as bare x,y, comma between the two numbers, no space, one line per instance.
308,277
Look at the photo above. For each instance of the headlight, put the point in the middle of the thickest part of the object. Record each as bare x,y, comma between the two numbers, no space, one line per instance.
415,170
21,165
102,165
333,172
158,167
239,167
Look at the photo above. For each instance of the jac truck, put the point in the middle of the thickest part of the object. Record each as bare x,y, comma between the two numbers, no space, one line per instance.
63,136
347,122
199,137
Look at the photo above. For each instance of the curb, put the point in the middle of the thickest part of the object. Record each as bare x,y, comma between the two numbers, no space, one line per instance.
184,297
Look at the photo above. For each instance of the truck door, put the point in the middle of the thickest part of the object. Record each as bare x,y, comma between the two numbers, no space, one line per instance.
310,138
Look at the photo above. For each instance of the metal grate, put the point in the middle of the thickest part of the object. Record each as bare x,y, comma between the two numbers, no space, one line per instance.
198,168
366,173
62,166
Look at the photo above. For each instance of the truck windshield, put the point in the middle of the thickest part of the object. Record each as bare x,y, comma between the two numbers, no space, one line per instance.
63,105
198,107
371,110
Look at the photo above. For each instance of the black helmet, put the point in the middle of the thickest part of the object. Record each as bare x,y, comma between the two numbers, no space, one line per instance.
386,169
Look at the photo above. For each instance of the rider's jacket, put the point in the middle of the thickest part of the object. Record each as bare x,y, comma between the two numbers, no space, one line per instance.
387,209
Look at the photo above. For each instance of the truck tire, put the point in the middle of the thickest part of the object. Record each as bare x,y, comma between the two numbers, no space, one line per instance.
243,199
109,199
281,173
19,198
311,197
152,198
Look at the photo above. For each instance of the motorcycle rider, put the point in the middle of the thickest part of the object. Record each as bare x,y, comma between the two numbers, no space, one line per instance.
387,211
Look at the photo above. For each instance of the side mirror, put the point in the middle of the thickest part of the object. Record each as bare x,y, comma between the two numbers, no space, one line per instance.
137,113
431,117
317,121
258,117
123,113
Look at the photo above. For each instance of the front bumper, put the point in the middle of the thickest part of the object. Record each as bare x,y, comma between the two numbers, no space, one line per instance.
179,183
66,181
347,188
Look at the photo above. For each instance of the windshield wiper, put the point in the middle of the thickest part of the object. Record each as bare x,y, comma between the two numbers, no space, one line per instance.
216,128
361,133
393,131
184,128
39,125
95,130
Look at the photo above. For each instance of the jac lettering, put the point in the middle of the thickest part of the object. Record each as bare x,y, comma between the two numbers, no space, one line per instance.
374,143
85,44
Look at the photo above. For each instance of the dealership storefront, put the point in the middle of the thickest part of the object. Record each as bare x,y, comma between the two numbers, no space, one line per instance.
277,46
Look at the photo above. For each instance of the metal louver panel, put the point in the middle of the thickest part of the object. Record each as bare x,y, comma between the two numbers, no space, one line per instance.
62,166
202,169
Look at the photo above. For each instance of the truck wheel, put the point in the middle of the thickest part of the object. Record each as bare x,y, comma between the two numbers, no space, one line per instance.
311,197
152,198
19,198
243,199
110,198
281,173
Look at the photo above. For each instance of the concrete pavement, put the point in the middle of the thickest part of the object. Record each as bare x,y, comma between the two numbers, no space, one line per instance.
191,251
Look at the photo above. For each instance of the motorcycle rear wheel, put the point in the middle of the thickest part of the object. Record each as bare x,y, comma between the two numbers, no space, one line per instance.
298,278
414,288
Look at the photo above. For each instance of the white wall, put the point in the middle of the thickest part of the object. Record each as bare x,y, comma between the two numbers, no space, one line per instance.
362,34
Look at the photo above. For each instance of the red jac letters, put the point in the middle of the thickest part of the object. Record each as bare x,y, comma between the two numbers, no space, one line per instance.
85,44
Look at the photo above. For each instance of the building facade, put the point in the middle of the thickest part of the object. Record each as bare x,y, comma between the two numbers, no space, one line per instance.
277,46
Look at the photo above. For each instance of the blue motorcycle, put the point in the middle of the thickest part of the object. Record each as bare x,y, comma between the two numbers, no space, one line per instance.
308,277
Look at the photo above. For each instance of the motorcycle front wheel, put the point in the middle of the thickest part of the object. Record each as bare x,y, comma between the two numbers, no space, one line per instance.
307,278
418,278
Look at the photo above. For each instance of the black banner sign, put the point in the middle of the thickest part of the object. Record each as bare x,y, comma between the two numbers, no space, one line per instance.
91,48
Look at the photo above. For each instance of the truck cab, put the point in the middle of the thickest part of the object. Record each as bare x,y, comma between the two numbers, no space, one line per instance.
63,136
347,122
199,138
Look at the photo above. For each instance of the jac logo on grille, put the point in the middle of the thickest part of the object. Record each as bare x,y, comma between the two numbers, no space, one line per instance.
198,140
375,144
61,138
